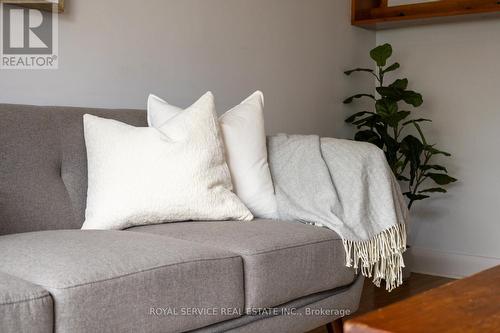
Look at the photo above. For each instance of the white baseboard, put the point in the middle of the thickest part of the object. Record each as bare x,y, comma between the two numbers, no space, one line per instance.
448,264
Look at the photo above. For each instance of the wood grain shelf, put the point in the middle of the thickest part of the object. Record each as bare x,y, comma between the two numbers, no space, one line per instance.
45,5
376,14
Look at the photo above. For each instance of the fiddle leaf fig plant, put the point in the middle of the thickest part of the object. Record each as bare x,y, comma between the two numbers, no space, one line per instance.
409,156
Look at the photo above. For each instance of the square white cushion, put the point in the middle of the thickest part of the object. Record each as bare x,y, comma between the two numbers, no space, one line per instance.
145,175
246,151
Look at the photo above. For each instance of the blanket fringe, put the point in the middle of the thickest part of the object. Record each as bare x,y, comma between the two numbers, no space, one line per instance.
380,257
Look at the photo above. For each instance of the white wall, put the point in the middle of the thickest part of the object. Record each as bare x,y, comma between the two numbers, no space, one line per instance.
456,67
113,53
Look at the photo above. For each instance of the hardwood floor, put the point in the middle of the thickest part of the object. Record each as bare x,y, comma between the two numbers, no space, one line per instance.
374,298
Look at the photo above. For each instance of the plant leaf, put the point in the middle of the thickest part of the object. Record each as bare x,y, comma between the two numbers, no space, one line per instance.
368,136
441,178
381,53
416,121
391,68
363,121
433,190
391,145
435,151
350,99
401,177
357,115
386,107
394,119
433,167
415,197
349,72
412,148
369,121
400,84
391,92
412,98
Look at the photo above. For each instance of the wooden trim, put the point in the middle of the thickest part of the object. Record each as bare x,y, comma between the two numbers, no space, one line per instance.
44,5
439,8
361,9
380,16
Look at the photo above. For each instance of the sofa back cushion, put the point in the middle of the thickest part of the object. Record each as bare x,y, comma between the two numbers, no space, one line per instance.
43,166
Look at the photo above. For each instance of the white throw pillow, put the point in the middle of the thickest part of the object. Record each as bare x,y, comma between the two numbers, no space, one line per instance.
144,175
246,152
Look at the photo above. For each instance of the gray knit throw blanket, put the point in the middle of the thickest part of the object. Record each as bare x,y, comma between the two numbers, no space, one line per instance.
348,187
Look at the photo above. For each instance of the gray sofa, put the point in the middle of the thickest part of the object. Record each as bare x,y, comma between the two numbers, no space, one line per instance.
191,276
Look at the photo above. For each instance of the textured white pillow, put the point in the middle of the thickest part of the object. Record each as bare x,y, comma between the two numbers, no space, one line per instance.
144,175
246,152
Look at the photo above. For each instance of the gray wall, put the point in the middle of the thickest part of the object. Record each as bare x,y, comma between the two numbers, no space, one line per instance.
113,53
456,68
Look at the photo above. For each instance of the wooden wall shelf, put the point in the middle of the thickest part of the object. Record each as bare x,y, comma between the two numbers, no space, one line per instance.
46,5
376,14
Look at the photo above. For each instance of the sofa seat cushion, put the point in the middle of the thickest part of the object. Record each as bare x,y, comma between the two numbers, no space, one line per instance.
124,279
282,260
24,307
